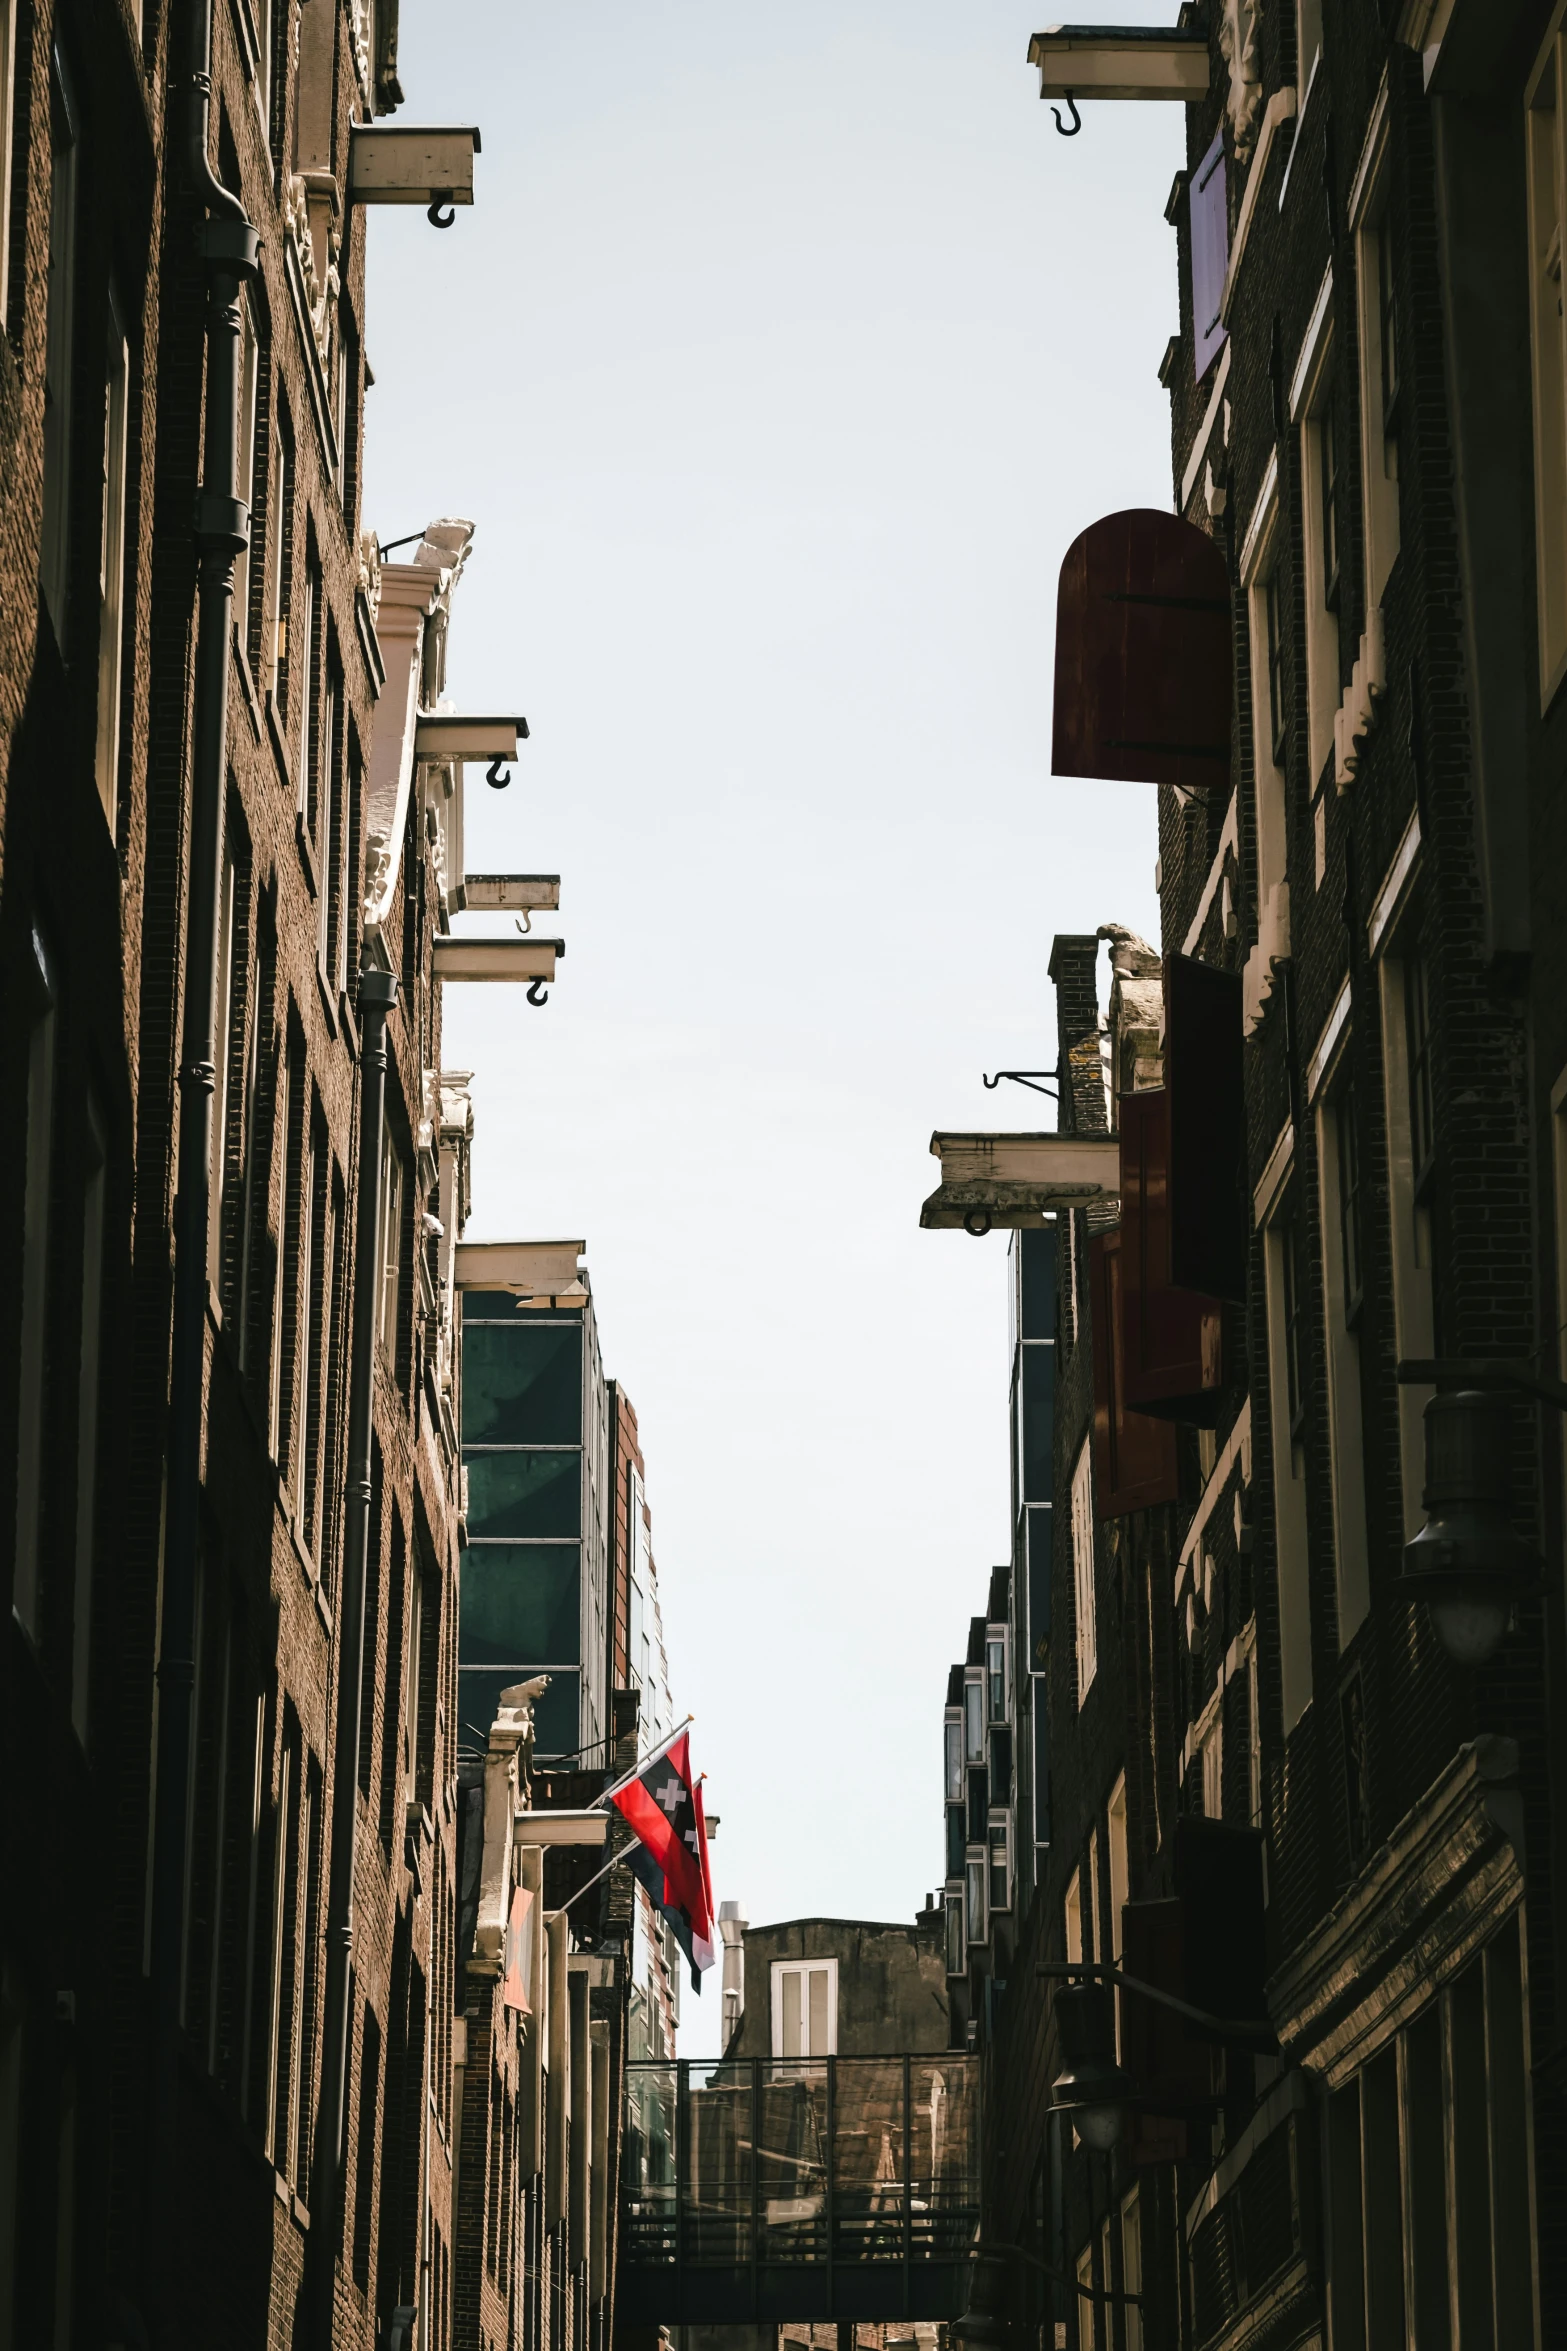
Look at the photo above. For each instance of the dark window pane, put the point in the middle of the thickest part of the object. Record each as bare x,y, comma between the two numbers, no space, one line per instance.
520,1602
525,1494
955,1841
1039,1284
1039,1538
1001,1767
522,1384
978,1804
554,1715
1038,1423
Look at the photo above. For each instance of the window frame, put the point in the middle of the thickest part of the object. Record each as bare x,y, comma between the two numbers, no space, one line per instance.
111,562
59,351
1084,1578
1379,404
1277,1219
803,1968
1346,1439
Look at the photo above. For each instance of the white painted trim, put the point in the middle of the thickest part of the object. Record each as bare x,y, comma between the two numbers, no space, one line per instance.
1281,109
1327,1044
1194,463
1314,349
1259,529
1300,116
1237,1447
1390,897
1229,839
1371,155
1274,1176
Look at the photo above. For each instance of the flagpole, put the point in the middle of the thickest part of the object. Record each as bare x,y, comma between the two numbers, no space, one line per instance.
613,1862
641,1765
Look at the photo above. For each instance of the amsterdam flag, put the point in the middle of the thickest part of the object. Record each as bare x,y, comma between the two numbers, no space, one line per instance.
662,1806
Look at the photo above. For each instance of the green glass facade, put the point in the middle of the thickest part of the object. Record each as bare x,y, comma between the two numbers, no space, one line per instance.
535,1563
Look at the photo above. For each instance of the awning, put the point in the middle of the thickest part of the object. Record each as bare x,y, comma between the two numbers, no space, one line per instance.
1119,61
540,1272
1144,683
1004,1183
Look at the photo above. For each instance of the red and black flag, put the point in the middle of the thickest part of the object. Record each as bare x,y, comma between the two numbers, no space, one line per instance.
662,1806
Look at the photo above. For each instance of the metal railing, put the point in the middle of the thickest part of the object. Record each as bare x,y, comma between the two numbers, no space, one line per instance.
796,2186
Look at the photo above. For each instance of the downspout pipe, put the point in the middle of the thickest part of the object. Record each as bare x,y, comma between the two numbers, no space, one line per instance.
229,248
377,997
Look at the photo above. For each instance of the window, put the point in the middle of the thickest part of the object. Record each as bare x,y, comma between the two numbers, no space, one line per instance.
58,339
996,1676
8,10
1253,1743
1120,1884
390,1250
1212,1756
1000,1865
1308,42
805,2008
1265,573
1406,1069
1328,495
247,397
1338,1162
32,1355
330,827
1312,407
1379,389
280,524
975,1888
974,1718
287,1112
1546,101
87,1386
1083,1570
1350,1208
1273,596
1073,1917
953,1735
1210,227
306,715
1287,1421
111,566
260,994
222,1031
954,1925
1132,2269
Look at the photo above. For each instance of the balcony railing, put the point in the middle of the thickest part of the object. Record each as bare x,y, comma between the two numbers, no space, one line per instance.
839,2187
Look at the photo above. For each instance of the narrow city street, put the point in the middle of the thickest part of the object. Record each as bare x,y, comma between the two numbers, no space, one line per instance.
784,1350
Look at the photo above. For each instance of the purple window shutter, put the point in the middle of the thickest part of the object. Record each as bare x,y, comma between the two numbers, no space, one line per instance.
1210,255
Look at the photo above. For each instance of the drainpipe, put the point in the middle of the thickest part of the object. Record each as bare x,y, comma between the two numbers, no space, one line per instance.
228,246
377,996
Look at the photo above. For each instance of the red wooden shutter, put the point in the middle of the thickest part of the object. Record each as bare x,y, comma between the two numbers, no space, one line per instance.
1135,1458
1202,1068
1210,226
1144,681
1170,1338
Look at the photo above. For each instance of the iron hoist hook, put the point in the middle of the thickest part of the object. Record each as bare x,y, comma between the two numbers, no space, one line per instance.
1077,120
443,211
537,993
497,775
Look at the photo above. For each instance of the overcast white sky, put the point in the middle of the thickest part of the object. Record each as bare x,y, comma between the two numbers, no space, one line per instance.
784,353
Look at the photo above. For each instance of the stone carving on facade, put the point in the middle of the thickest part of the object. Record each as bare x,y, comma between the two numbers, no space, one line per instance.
370,571
1240,29
310,211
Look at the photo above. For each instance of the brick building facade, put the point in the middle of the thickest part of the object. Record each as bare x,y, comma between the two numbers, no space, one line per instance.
211,779
1283,1788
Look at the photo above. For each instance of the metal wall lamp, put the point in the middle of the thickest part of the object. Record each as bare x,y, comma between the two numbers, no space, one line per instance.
1093,2089
1466,1562
453,734
409,163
